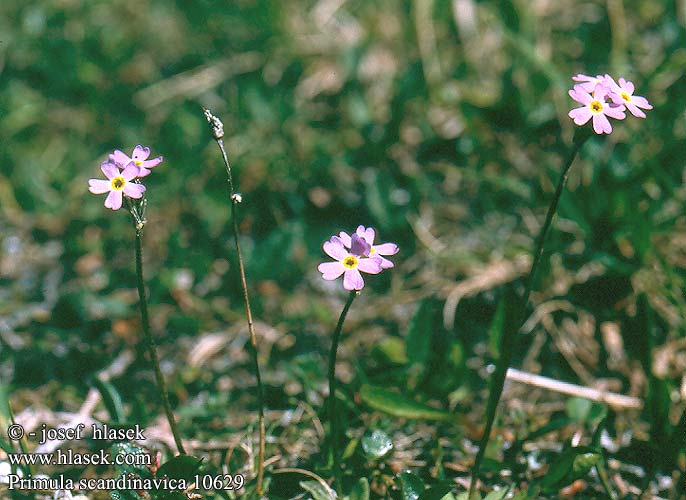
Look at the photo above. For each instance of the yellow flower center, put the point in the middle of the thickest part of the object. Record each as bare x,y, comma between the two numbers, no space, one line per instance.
118,183
626,96
350,262
138,162
596,106
372,250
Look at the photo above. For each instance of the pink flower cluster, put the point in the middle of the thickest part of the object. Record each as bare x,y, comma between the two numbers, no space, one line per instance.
121,172
355,253
601,97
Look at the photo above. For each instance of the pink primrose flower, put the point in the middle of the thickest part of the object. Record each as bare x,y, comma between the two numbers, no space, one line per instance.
595,106
623,93
139,157
349,262
117,183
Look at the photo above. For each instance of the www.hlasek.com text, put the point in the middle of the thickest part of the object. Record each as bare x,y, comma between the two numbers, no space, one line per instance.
70,457
127,482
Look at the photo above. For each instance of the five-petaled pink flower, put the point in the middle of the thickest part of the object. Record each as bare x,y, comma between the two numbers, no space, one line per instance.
595,106
349,262
139,157
375,251
624,94
594,91
117,183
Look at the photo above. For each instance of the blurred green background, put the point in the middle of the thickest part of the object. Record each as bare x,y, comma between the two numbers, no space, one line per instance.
440,123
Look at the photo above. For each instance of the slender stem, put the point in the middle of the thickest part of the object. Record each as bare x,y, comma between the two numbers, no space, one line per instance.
152,348
602,474
218,132
332,390
253,351
506,344
540,239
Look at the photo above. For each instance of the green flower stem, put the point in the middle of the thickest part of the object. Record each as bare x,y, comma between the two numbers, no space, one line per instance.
152,348
506,344
253,352
332,390
602,474
217,128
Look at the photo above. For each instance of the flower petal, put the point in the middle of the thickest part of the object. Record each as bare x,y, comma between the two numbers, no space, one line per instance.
98,186
109,169
589,82
580,95
143,172
633,109
641,102
615,97
616,112
133,190
140,153
359,246
334,248
113,200
580,115
367,233
385,263
601,92
370,266
386,249
131,171
331,270
152,163
352,280
608,81
601,125
345,238
120,158
627,86
582,78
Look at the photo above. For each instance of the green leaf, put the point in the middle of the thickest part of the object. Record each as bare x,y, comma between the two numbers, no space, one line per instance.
440,492
572,464
111,399
419,333
181,467
578,409
411,486
522,495
360,490
392,349
377,444
495,330
583,463
317,490
399,406
497,494
465,496
6,447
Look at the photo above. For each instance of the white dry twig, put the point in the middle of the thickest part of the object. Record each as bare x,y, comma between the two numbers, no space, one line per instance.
617,401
